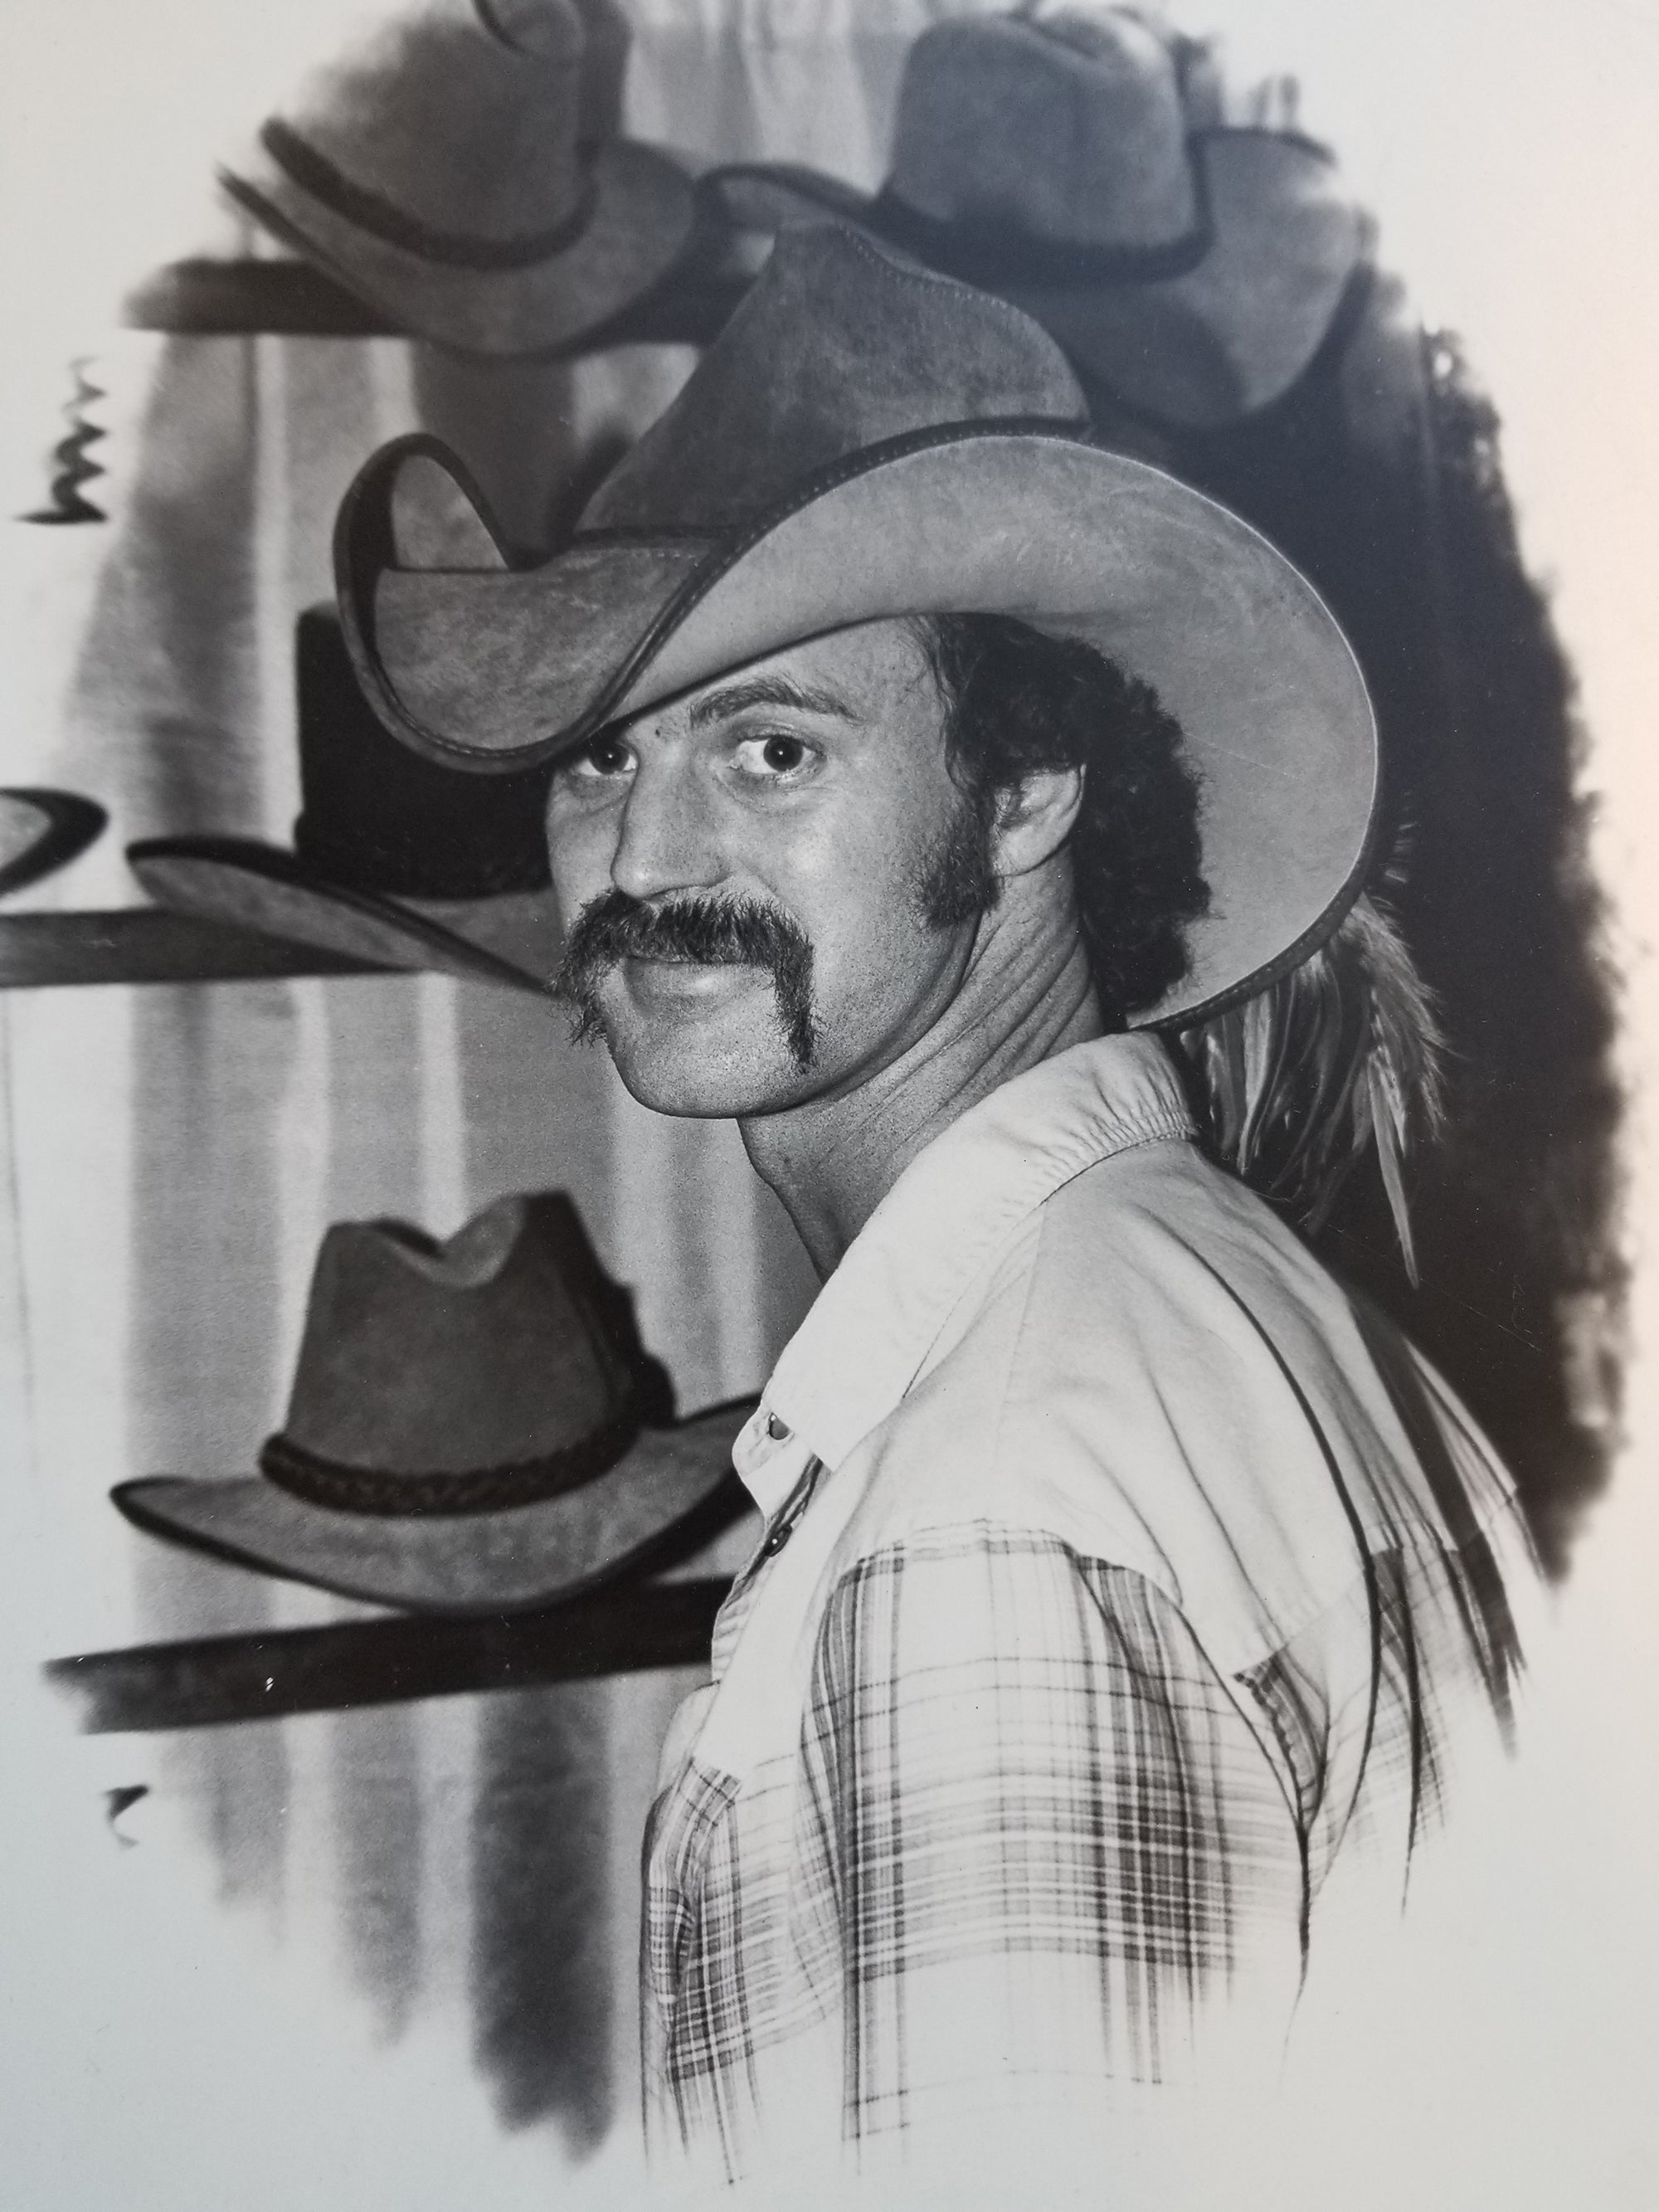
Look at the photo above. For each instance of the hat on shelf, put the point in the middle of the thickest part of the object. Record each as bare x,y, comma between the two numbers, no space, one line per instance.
395,861
868,439
1076,161
473,1428
461,171
42,830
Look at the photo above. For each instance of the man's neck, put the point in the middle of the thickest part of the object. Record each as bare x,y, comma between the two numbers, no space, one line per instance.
1027,994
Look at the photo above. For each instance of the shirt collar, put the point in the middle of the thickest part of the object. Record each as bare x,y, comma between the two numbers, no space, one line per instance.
958,1201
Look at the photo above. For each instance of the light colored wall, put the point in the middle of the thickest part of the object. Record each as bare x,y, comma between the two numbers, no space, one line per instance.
161,2049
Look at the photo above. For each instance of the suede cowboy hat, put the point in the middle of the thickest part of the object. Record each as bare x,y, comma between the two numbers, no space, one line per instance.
395,861
473,1429
1075,160
41,831
461,171
869,439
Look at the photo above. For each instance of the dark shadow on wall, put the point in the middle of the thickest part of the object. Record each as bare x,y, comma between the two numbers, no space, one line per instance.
1381,474
541,1973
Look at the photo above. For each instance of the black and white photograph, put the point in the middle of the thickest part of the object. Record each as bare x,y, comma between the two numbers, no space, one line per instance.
828,1050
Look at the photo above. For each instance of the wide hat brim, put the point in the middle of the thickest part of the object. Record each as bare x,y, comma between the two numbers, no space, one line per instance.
497,667
1194,349
512,939
672,1489
639,224
43,830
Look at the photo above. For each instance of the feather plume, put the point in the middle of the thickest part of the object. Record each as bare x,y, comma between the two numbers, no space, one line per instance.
1342,1057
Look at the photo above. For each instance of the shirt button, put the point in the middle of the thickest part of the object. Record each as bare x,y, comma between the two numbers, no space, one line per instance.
776,1428
779,1537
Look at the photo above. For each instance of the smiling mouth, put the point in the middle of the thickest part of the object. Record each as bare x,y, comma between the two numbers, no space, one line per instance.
649,971
674,961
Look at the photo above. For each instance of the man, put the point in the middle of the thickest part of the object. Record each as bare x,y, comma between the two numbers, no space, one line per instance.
1127,1589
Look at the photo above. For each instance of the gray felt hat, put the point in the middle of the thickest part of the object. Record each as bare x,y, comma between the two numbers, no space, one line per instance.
461,171
472,1429
868,439
1074,160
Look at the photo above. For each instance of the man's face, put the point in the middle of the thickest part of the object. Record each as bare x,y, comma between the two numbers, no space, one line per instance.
792,856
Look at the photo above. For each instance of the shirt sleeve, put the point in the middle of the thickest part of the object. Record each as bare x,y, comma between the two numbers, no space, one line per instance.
1055,1846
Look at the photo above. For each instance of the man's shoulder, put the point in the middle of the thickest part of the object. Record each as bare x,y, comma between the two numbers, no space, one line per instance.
1125,1216
1151,1268
1156,1370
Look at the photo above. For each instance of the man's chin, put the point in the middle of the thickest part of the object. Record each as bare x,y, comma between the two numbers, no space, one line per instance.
700,1043
701,1096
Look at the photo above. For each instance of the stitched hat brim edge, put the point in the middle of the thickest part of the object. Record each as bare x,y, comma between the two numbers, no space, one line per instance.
290,1538
249,885
630,687
641,222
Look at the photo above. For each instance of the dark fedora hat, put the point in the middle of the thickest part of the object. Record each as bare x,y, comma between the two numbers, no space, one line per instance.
1075,161
461,171
473,1428
395,861
868,439
42,830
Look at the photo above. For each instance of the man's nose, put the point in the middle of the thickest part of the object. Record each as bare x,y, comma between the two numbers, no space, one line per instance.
665,841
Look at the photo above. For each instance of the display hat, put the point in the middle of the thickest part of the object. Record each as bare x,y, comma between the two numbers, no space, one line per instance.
473,1428
868,439
42,830
1074,161
395,861
460,171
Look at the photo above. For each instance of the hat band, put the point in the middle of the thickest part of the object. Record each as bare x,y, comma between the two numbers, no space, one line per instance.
995,254
315,174
344,1489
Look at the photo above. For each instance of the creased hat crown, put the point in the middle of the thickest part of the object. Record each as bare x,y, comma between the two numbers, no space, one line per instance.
840,350
459,1376
475,1429
460,171
462,120
1062,126
838,347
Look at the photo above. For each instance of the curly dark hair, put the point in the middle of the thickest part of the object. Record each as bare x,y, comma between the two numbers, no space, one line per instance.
1018,702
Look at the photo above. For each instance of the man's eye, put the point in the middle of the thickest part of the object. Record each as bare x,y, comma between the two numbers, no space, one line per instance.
604,757
774,756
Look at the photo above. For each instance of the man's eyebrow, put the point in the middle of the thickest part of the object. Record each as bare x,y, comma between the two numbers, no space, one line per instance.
768,690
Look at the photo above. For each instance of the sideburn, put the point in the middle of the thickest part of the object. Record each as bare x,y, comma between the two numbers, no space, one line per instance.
959,881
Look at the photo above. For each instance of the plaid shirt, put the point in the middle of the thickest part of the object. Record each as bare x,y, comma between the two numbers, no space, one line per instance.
1124,1591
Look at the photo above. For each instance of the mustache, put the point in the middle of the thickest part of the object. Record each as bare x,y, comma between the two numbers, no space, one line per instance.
744,932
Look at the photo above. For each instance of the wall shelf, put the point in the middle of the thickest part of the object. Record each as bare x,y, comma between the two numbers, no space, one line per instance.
269,1673
149,945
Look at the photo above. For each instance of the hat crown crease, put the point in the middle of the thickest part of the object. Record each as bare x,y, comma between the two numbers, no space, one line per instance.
1024,126
474,1256
806,372
488,1351
456,131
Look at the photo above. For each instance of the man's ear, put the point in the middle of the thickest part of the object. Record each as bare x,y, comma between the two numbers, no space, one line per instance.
1035,819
